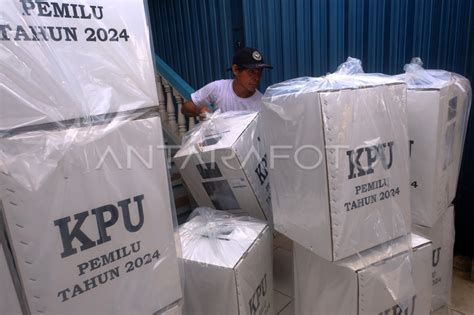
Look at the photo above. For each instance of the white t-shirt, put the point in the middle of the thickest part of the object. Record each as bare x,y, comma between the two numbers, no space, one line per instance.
222,95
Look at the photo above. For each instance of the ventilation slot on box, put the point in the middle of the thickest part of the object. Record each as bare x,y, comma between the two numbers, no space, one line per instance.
221,195
450,132
209,170
210,141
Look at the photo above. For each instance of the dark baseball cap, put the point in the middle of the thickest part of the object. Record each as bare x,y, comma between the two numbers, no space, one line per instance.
249,58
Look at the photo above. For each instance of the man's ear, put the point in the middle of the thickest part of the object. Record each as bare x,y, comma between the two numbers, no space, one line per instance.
235,69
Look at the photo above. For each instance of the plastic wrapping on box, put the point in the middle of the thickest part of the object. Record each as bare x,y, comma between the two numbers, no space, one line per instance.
350,66
391,278
442,235
338,160
90,221
216,131
224,164
438,106
227,264
65,61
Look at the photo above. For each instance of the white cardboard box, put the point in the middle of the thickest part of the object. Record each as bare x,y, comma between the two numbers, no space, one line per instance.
101,61
224,165
325,195
230,273
9,304
437,122
90,223
382,280
442,236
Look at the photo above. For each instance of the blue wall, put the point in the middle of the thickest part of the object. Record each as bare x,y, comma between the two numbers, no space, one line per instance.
303,37
195,38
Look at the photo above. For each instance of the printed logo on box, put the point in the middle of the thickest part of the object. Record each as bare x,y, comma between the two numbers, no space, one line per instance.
112,213
261,170
374,154
260,292
67,236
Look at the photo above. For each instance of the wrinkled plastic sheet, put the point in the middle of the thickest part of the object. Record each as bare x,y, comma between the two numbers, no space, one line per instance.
62,61
219,130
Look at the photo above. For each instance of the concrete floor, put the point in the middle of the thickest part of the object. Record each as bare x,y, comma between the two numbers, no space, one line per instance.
462,295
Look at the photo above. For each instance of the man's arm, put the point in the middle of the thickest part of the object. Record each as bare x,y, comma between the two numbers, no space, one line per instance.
192,110
198,104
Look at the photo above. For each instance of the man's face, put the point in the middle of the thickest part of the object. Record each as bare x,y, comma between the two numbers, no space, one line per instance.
247,78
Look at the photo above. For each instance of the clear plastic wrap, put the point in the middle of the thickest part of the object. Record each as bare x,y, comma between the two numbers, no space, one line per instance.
84,189
391,278
350,66
216,132
223,162
442,235
338,160
227,264
438,106
63,61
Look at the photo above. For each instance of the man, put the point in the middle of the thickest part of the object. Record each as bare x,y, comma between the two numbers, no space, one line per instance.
235,94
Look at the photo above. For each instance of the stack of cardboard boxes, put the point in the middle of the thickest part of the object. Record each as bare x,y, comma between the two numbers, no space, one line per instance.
342,194
86,221
223,163
348,159
438,105
85,214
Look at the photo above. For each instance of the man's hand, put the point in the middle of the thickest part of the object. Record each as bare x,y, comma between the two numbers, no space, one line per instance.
203,112
192,110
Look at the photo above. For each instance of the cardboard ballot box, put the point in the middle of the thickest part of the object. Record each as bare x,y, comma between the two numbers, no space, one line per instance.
9,303
338,149
389,279
89,219
227,265
224,164
442,236
438,104
65,60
